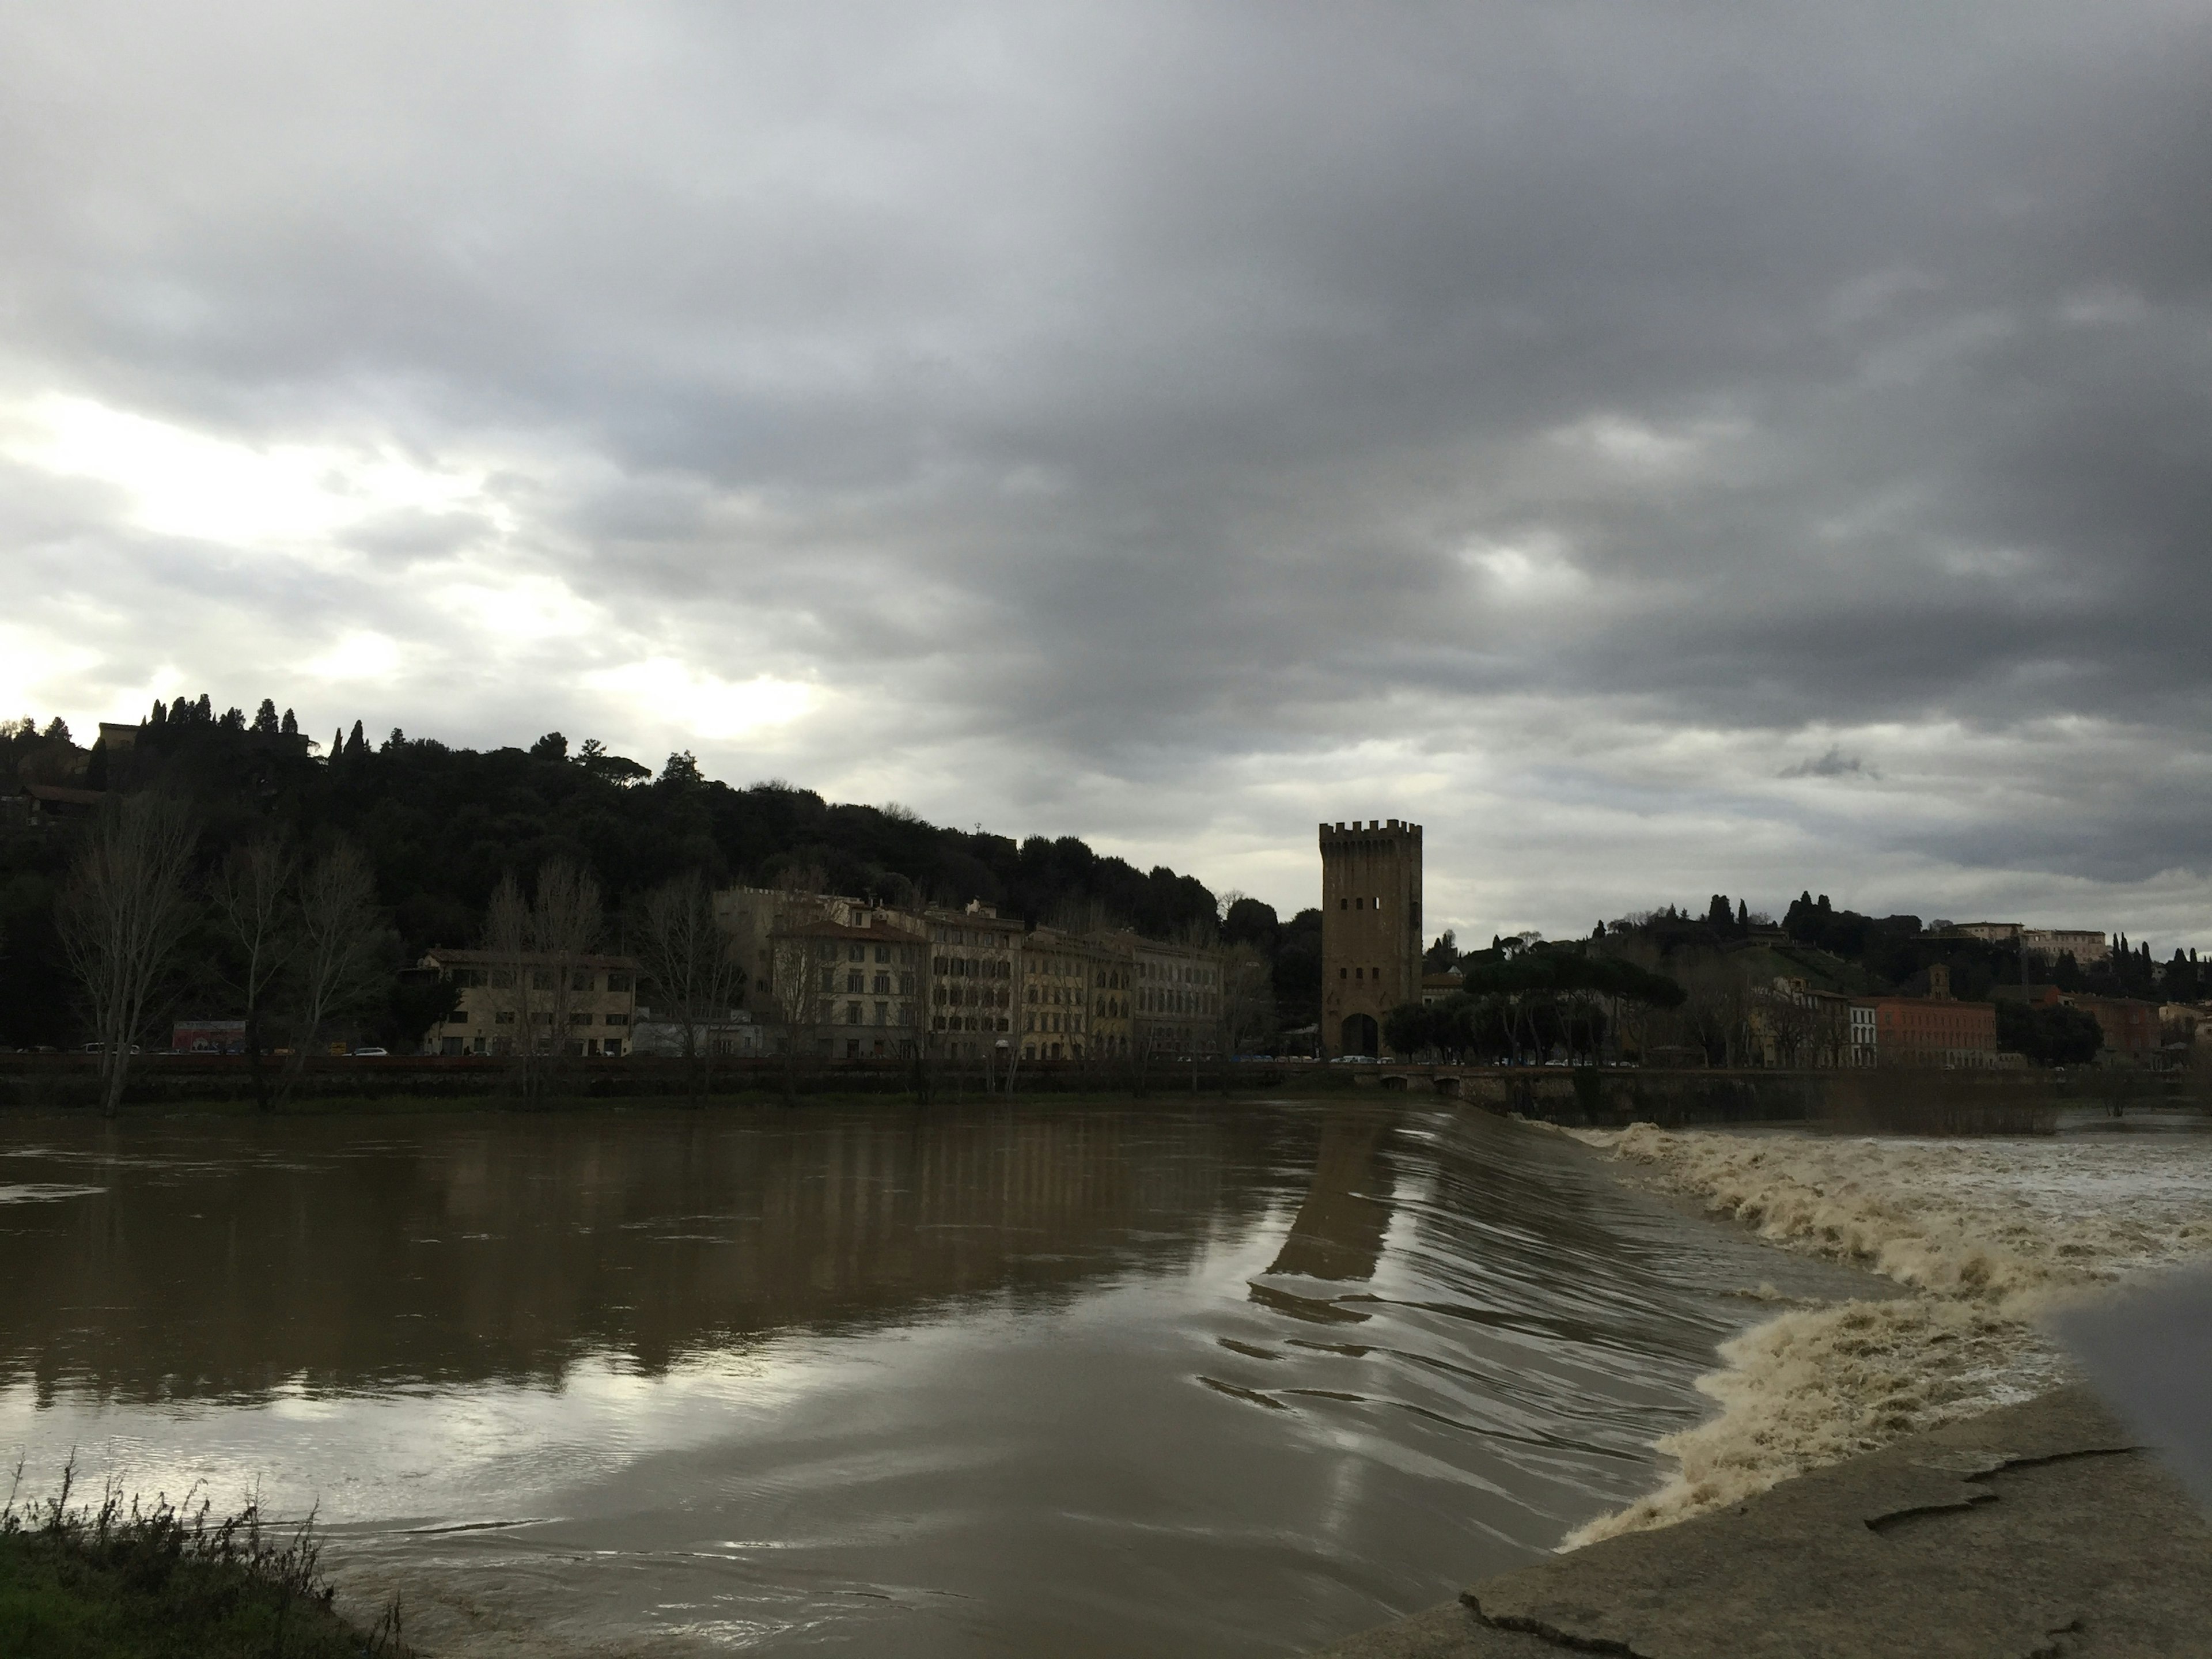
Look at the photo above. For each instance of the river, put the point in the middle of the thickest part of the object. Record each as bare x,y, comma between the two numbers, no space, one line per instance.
1187,1379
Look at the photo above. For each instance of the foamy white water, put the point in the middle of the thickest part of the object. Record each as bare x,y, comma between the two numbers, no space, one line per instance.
1984,1234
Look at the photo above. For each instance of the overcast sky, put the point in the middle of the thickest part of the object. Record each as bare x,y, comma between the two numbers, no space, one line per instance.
1660,448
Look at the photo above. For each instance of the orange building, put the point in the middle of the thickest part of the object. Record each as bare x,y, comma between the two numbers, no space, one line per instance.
1936,1029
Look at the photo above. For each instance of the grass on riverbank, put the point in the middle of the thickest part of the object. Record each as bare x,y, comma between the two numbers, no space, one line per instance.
124,1581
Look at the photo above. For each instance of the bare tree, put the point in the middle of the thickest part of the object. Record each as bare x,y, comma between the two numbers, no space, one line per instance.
123,916
541,946
514,998
692,963
794,977
1248,996
252,901
566,920
337,963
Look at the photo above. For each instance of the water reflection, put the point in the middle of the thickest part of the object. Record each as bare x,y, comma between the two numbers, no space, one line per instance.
227,1261
1339,1232
1230,1380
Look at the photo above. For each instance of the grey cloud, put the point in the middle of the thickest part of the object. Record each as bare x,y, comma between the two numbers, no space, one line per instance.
1120,392
1835,763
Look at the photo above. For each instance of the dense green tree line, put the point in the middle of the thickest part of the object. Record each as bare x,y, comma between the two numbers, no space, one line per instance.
1528,1003
439,826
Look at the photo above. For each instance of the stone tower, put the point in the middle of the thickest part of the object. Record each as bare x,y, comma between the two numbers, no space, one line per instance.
1370,930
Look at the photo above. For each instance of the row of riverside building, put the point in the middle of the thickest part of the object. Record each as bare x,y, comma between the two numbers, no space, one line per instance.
1793,1025
851,979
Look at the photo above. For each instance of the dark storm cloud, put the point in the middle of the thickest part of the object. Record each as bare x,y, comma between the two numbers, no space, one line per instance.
1132,393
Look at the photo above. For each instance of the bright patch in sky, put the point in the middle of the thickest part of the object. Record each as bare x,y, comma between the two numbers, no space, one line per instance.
1538,572
186,483
664,689
31,665
519,607
361,656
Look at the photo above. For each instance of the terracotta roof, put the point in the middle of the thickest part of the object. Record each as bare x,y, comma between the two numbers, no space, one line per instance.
822,929
526,958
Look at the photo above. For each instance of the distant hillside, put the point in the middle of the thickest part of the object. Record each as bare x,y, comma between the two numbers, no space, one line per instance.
441,825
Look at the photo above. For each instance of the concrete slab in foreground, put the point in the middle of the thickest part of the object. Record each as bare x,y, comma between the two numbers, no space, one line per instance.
2036,1532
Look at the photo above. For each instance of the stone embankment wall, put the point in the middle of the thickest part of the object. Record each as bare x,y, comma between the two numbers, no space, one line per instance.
1904,1100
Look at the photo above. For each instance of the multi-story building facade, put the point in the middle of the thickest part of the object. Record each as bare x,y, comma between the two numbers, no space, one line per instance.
847,988
1865,1043
2084,944
1078,996
1442,986
1055,1018
580,1005
1936,1029
1370,930
976,960
1795,1025
980,983
1176,1003
2130,1027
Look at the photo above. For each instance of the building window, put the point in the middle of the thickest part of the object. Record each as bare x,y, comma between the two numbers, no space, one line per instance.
504,1017
618,982
882,1013
852,1013
580,1019
852,980
856,953
882,953
617,1019
580,981
541,979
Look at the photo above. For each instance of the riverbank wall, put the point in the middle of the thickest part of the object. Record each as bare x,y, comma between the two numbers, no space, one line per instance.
1904,1101
66,1082
1898,1101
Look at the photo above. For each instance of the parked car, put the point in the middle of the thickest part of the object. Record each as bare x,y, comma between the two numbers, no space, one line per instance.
364,1054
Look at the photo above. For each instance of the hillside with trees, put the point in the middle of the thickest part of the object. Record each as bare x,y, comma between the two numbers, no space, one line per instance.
1723,966
438,827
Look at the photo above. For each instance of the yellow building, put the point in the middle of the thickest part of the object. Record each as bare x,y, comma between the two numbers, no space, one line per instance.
579,1005
1075,995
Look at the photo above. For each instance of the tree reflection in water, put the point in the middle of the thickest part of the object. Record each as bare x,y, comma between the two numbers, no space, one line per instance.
1230,1380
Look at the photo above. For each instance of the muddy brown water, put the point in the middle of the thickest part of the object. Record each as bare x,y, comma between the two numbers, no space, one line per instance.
1194,1379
